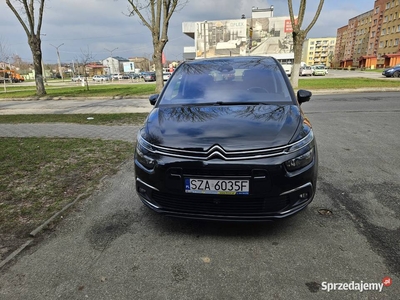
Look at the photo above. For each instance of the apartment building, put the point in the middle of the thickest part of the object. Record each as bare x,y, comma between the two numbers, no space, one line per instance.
371,39
389,47
318,51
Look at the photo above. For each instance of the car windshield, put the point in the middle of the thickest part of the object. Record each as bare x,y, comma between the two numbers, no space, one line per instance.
227,81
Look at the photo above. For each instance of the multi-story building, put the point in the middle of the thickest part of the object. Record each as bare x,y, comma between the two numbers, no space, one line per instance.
389,47
371,39
319,51
341,37
363,33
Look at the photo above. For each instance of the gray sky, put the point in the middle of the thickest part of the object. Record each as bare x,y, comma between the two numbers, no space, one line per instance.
102,24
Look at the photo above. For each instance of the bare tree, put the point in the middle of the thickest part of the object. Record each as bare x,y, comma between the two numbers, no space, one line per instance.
4,55
299,35
158,13
84,59
32,24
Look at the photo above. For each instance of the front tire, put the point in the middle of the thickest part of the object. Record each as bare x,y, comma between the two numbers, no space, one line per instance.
396,74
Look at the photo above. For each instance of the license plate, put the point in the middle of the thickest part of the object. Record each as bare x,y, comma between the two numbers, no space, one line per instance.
217,186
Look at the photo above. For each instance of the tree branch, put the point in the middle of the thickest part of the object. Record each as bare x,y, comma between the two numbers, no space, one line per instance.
317,13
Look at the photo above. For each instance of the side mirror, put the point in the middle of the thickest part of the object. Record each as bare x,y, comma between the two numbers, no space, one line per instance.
153,99
303,96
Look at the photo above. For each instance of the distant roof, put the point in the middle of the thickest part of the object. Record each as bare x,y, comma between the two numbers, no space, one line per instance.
119,58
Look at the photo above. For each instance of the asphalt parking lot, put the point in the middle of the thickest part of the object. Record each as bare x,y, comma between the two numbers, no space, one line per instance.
112,247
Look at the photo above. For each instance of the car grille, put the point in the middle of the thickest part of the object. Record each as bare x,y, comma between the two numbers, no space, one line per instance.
217,151
220,205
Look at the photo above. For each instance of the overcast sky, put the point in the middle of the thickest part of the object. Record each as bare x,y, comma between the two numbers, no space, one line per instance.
102,24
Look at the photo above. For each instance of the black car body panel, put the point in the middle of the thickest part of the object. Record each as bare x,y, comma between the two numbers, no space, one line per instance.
231,127
238,149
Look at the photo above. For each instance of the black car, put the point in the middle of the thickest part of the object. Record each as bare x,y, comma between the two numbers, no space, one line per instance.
149,76
219,149
392,72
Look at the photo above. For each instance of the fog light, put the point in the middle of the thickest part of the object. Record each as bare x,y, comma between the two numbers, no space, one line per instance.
303,196
142,190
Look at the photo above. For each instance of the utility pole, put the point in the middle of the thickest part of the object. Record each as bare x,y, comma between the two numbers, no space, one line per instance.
59,61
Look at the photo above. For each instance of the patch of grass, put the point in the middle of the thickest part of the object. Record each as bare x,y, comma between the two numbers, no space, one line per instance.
346,83
39,176
98,119
106,90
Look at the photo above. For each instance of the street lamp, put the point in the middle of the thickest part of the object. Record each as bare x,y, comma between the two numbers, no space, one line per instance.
59,61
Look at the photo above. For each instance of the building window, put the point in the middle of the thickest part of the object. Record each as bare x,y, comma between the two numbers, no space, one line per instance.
383,31
386,19
388,5
377,10
381,45
396,42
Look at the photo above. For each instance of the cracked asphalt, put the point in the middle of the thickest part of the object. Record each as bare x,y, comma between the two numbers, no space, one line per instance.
112,247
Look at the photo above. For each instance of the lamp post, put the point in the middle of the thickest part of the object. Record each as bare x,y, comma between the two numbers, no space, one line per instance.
59,61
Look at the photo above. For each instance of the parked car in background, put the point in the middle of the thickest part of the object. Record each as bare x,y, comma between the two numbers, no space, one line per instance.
237,150
135,75
77,78
305,71
319,71
99,78
116,76
166,75
392,72
149,76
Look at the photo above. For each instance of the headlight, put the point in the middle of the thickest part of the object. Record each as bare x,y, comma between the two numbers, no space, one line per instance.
302,142
142,153
300,161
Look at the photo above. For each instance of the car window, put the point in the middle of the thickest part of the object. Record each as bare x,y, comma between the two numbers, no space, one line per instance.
230,81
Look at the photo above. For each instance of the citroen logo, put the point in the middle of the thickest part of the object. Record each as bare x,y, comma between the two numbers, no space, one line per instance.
216,151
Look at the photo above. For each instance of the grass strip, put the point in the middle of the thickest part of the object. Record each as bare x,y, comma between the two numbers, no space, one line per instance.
94,119
39,176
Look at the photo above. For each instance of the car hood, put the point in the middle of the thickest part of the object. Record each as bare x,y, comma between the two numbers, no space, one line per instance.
231,127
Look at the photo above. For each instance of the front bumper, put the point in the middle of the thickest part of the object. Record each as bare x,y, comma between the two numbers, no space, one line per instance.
274,192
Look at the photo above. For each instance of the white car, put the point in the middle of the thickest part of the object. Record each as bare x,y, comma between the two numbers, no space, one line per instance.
100,78
77,78
166,75
116,76
305,71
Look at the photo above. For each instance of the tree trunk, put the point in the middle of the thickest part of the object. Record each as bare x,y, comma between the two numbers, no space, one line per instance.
34,44
298,40
157,59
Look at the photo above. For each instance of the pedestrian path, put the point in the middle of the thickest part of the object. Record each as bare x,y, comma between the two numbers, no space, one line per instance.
123,132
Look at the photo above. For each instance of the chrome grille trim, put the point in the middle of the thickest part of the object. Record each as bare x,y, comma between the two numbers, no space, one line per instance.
218,151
